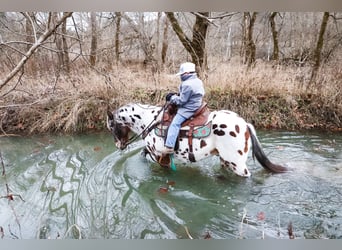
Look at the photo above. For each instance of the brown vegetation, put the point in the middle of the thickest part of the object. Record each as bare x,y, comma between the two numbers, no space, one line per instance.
61,71
269,96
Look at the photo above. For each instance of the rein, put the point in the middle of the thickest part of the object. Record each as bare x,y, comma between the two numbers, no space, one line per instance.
148,128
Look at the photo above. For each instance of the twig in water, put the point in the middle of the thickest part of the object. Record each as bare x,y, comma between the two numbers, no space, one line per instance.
78,229
9,229
242,220
187,232
290,231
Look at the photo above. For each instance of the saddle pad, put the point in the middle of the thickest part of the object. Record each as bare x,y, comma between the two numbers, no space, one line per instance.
199,132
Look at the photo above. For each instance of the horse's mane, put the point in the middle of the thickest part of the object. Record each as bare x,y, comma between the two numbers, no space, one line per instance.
142,105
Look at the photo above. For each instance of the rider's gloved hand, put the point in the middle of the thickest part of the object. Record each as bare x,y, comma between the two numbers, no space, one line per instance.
169,95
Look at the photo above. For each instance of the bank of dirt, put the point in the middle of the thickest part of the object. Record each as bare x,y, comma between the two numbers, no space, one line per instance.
86,112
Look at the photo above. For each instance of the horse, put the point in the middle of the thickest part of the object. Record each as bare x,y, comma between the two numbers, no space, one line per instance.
224,134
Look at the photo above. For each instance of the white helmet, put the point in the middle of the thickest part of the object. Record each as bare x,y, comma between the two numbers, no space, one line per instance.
186,67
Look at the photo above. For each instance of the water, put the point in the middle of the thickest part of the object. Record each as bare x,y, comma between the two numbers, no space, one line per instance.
82,187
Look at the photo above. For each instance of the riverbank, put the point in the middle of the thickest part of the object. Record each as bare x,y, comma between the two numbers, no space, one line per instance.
269,96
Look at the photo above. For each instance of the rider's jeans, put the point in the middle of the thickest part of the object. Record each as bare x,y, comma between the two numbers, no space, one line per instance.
174,130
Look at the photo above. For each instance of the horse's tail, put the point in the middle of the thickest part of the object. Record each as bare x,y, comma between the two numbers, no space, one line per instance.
260,154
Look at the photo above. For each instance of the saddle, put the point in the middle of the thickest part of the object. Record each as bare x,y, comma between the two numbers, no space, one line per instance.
199,118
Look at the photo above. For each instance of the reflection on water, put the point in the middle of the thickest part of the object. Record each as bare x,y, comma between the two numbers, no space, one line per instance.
81,187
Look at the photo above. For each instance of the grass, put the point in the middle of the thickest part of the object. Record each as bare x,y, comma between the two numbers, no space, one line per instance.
268,95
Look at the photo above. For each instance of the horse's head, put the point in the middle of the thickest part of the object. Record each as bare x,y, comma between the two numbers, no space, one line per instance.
119,130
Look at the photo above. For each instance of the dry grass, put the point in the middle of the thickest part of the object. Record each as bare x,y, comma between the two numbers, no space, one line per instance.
270,96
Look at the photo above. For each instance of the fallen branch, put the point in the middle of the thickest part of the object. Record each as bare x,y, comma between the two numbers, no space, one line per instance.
187,232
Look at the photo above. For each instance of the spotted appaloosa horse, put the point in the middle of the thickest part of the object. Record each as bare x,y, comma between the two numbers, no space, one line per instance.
226,135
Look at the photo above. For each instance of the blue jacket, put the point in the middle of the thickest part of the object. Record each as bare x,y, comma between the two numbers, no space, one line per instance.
191,92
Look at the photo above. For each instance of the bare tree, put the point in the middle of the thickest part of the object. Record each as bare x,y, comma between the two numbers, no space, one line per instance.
247,38
196,45
50,29
117,36
93,46
165,43
144,38
63,64
30,35
275,54
66,59
319,46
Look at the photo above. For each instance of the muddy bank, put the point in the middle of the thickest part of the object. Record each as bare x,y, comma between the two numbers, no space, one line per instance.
86,111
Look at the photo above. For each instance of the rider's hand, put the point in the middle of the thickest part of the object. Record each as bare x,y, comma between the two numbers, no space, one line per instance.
169,95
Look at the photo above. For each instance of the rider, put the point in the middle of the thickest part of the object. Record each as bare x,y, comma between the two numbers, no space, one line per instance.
189,99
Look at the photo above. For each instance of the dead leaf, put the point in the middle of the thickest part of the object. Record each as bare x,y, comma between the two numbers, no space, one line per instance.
163,190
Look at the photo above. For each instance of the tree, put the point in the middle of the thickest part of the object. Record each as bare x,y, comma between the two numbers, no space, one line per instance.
275,54
117,36
63,64
319,46
196,45
66,59
93,45
50,29
144,38
247,38
165,44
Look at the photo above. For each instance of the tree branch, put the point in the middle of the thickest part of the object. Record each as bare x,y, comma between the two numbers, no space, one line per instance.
34,47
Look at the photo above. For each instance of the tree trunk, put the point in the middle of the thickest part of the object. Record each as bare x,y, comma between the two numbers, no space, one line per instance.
165,44
93,45
59,44
248,43
196,46
157,47
30,39
275,54
319,46
117,36
29,29
66,59
198,38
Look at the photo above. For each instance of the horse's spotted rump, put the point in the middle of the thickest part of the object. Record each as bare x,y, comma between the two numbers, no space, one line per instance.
247,135
237,129
214,152
219,132
232,133
203,144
